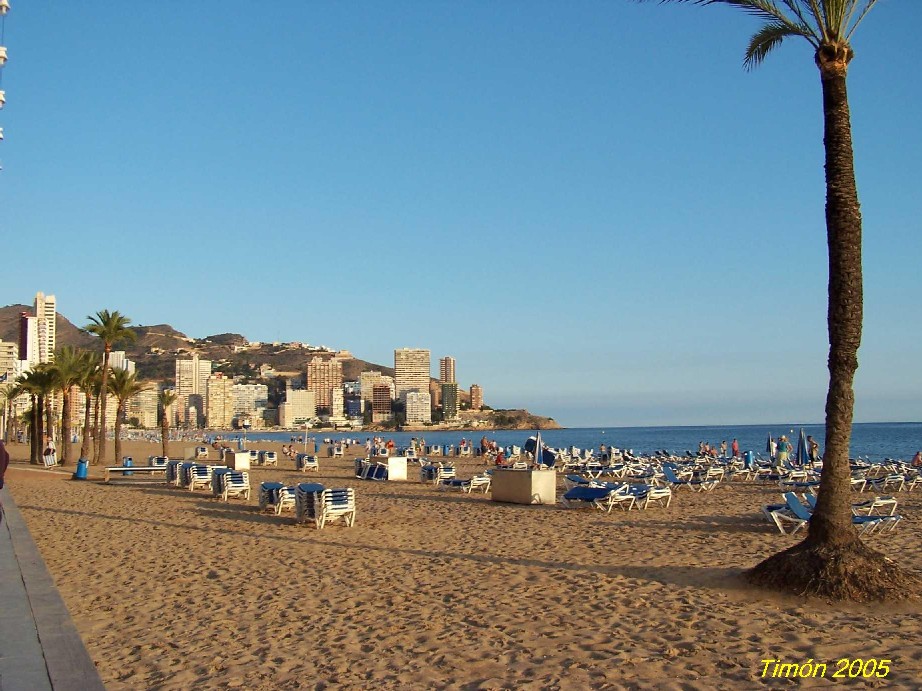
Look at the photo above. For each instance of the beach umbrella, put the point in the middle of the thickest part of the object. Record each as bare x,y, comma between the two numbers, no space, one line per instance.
539,449
768,445
803,453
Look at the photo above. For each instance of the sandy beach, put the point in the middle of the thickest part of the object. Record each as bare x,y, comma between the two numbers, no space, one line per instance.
436,589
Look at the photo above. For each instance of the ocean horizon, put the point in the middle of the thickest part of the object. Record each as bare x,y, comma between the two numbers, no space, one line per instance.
872,440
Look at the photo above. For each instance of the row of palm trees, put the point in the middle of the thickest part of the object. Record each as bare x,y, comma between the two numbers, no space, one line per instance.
82,369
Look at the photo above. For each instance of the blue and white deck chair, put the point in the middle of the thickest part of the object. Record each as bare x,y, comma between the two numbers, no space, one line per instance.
863,523
304,500
303,462
669,472
236,483
199,477
603,498
276,497
333,504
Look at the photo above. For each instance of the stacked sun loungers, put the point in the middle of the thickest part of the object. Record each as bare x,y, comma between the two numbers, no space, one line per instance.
276,497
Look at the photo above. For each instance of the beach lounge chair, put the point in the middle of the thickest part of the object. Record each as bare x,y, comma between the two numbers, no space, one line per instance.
865,524
303,462
603,498
236,483
673,481
276,497
481,482
268,458
199,477
333,504
304,500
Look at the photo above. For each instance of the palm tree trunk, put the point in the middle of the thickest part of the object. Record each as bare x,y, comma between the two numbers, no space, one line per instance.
35,432
65,425
100,456
165,434
118,433
87,422
39,427
831,523
96,428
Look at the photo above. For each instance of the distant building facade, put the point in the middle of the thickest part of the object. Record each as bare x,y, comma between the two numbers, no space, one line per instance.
299,407
476,397
220,401
418,407
447,370
324,375
411,371
382,403
191,390
449,401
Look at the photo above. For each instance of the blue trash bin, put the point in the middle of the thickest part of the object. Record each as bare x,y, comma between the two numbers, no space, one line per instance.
82,466
747,460
127,462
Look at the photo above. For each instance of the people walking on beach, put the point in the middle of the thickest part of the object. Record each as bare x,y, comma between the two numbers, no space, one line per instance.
813,449
723,449
784,449
50,453
735,448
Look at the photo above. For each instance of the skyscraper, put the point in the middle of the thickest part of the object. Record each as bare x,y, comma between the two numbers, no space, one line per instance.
220,401
419,407
323,376
46,313
447,370
449,401
476,397
191,389
411,371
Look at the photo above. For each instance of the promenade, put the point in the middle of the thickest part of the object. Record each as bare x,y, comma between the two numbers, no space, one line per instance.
40,649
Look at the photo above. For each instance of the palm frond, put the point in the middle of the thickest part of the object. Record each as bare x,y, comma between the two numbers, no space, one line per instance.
764,41
867,8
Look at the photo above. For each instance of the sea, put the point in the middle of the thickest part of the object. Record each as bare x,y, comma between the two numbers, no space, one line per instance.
870,440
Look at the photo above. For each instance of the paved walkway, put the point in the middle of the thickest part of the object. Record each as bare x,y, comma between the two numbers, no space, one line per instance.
40,649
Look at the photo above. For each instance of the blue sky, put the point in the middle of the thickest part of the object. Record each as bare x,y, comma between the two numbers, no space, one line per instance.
591,205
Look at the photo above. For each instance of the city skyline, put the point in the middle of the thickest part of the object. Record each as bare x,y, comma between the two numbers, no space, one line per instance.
633,236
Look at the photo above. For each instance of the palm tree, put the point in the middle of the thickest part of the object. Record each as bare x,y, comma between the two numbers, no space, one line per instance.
832,561
166,398
8,399
123,385
39,384
88,382
66,371
111,327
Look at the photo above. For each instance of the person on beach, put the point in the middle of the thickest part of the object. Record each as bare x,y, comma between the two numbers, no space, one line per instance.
484,445
49,453
723,449
813,449
916,462
735,448
4,462
784,449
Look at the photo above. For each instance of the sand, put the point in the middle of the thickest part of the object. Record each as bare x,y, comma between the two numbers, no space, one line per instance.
437,589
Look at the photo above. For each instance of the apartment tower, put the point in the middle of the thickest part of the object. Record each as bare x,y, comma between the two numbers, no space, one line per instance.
191,390
323,377
476,397
447,370
411,371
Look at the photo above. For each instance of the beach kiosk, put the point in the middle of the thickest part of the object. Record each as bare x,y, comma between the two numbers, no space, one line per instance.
533,486
237,460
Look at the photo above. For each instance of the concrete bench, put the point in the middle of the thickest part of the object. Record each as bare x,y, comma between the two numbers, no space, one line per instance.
134,469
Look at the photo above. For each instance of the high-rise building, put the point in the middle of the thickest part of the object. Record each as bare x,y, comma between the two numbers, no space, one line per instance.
476,397
411,371
143,407
337,405
119,360
299,407
450,401
323,376
419,407
220,401
447,370
250,399
9,354
46,314
382,402
191,389
368,379
28,339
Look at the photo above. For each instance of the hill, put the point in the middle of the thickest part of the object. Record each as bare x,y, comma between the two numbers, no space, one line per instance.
156,348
